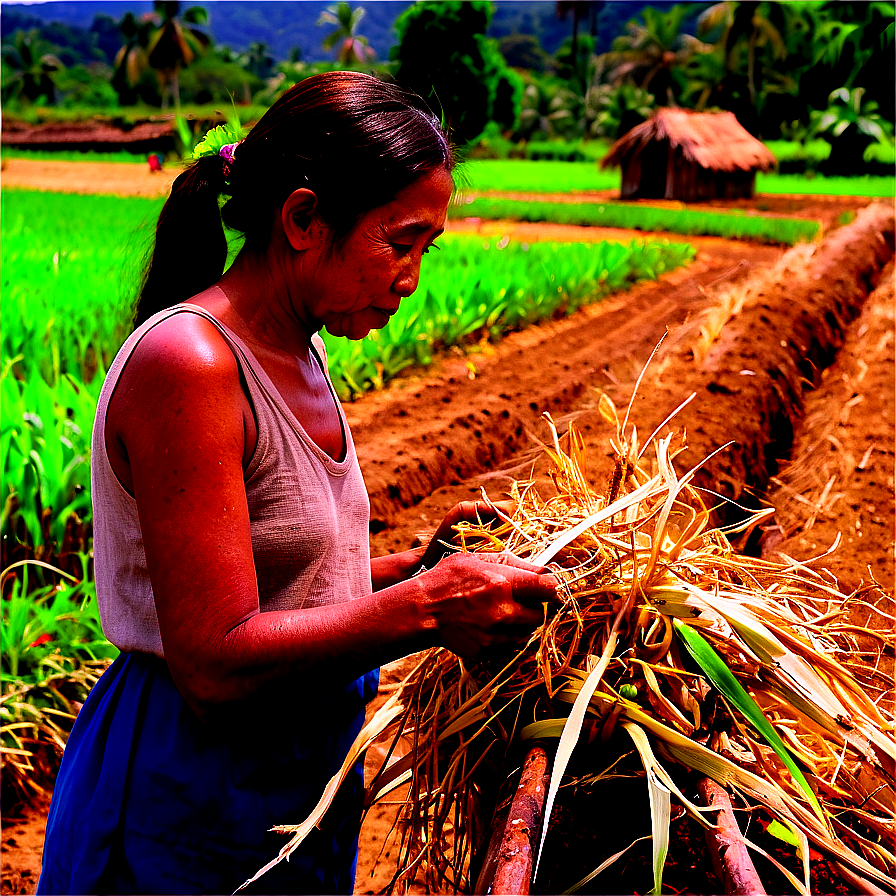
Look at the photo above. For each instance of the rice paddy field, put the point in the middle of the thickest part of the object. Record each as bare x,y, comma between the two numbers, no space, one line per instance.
784,340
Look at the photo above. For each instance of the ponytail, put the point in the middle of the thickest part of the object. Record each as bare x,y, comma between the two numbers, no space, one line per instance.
354,140
190,249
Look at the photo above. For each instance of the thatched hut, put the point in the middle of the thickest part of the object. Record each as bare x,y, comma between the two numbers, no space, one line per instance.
689,156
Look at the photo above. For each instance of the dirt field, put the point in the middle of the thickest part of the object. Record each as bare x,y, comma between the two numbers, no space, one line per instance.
791,357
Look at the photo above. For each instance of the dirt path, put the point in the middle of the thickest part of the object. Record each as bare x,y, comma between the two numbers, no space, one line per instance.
120,178
751,330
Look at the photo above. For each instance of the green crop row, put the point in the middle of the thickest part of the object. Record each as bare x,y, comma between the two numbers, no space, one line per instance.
53,652
45,441
730,225
70,268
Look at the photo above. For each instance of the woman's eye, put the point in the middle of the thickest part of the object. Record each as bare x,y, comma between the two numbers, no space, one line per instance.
402,248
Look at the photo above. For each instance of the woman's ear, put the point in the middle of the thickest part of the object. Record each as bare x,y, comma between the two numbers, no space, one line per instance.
297,217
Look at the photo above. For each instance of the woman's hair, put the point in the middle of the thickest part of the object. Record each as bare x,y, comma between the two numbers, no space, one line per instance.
355,140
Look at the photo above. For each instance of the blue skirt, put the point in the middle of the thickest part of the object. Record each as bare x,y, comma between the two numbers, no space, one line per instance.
149,799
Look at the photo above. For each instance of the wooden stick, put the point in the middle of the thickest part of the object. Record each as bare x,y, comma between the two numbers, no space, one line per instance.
730,858
513,858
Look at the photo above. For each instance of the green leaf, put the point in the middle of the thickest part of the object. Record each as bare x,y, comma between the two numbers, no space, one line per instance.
724,681
783,832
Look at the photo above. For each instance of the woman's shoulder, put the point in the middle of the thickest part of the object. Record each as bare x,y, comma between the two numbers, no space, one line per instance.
178,360
184,342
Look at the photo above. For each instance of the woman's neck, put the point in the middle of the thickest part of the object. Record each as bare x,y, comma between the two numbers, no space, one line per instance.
263,308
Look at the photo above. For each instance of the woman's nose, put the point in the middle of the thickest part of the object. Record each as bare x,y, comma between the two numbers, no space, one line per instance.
406,282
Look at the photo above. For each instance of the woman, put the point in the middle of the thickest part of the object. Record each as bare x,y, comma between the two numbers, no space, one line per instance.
231,520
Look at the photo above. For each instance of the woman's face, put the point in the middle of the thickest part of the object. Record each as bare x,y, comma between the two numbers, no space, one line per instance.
371,270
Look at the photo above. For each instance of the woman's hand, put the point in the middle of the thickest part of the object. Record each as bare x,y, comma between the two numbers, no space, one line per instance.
394,568
473,512
481,601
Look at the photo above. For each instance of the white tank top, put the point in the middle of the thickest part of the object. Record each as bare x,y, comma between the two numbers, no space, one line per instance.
309,514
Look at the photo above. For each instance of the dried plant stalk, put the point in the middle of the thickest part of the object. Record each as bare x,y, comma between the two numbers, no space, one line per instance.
636,563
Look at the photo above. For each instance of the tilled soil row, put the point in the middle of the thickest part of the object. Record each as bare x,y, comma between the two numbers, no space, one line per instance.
839,483
751,384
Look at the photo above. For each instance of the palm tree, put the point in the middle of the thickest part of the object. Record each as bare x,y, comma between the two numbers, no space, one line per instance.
616,110
352,48
653,52
705,77
34,67
258,60
131,61
755,28
550,109
176,43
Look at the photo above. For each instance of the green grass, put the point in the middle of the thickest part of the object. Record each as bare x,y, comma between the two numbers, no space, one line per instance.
523,176
53,653
70,265
70,155
819,185
730,225
819,150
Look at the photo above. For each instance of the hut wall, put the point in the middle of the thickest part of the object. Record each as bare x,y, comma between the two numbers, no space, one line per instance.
644,173
735,184
654,172
631,175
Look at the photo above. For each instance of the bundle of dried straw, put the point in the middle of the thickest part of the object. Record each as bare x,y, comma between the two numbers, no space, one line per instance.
746,671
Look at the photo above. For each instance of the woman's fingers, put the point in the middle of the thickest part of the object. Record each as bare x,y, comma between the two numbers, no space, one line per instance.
536,590
507,558
527,589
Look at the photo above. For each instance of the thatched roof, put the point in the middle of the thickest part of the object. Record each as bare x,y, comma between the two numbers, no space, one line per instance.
714,140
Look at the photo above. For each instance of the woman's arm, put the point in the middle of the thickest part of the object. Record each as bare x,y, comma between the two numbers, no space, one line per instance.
180,417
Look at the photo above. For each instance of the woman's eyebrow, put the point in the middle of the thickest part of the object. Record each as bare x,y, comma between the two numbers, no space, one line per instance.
416,228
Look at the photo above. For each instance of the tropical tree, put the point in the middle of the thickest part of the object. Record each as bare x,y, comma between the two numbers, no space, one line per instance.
705,80
175,44
578,11
850,124
572,61
653,52
549,110
131,60
752,36
853,46
31,67
351,47
615,110
257,59
523,51
444,55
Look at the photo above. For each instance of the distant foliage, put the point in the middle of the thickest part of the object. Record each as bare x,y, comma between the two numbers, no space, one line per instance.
443,54
851,124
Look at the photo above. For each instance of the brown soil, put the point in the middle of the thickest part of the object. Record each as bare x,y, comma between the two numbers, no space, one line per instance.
788,357
120,178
